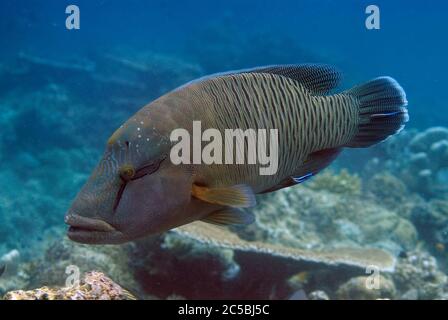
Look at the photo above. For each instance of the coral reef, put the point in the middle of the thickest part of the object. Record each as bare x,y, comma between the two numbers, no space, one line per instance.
52,267
431,220
93,286
429,156
58,257
342,257
225,266
316,239
320,219
342,183
418,276
418,159
171,266
358,289
391,190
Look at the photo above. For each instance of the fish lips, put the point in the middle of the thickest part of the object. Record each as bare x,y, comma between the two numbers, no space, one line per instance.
92,231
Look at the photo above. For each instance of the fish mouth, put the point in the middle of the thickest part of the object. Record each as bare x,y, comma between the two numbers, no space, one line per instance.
79,223
91,230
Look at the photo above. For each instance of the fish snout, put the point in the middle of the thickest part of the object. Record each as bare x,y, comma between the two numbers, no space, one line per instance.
91,230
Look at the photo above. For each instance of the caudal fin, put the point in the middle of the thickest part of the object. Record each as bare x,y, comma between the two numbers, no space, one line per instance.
382,111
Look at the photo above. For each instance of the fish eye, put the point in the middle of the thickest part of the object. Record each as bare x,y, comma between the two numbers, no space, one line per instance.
127,172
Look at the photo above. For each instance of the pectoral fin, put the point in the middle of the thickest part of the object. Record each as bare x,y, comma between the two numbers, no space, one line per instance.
238,196
229,216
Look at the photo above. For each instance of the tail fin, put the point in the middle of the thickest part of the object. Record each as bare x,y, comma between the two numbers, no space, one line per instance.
382,111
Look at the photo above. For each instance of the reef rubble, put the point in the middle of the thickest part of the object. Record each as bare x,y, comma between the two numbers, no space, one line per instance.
92,286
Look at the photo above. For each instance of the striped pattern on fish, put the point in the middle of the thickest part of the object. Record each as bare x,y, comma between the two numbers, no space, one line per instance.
306,122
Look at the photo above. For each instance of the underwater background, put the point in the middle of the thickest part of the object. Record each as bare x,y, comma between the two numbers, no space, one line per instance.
63,92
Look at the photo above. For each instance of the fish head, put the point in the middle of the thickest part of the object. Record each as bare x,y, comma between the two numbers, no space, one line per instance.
134,191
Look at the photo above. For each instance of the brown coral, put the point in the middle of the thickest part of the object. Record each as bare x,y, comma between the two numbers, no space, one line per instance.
93,286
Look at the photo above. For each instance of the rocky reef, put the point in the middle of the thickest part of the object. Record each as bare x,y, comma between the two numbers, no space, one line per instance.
205,261
92,286
62,258
331,216
418,159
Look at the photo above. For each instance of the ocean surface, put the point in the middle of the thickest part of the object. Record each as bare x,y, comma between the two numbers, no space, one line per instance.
64,92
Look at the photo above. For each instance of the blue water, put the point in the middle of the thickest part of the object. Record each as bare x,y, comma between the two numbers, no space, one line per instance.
54,120
410,44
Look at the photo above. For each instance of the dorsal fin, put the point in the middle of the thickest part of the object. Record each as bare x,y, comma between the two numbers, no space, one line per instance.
317,78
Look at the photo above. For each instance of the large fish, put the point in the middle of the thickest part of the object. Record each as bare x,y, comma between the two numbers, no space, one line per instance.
136,190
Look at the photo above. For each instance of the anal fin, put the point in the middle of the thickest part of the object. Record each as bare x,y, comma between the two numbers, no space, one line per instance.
229,216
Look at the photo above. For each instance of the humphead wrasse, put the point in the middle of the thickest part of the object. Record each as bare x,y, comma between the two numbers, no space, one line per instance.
136,190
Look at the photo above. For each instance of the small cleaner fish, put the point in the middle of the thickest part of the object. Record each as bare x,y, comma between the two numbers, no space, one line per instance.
136,190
